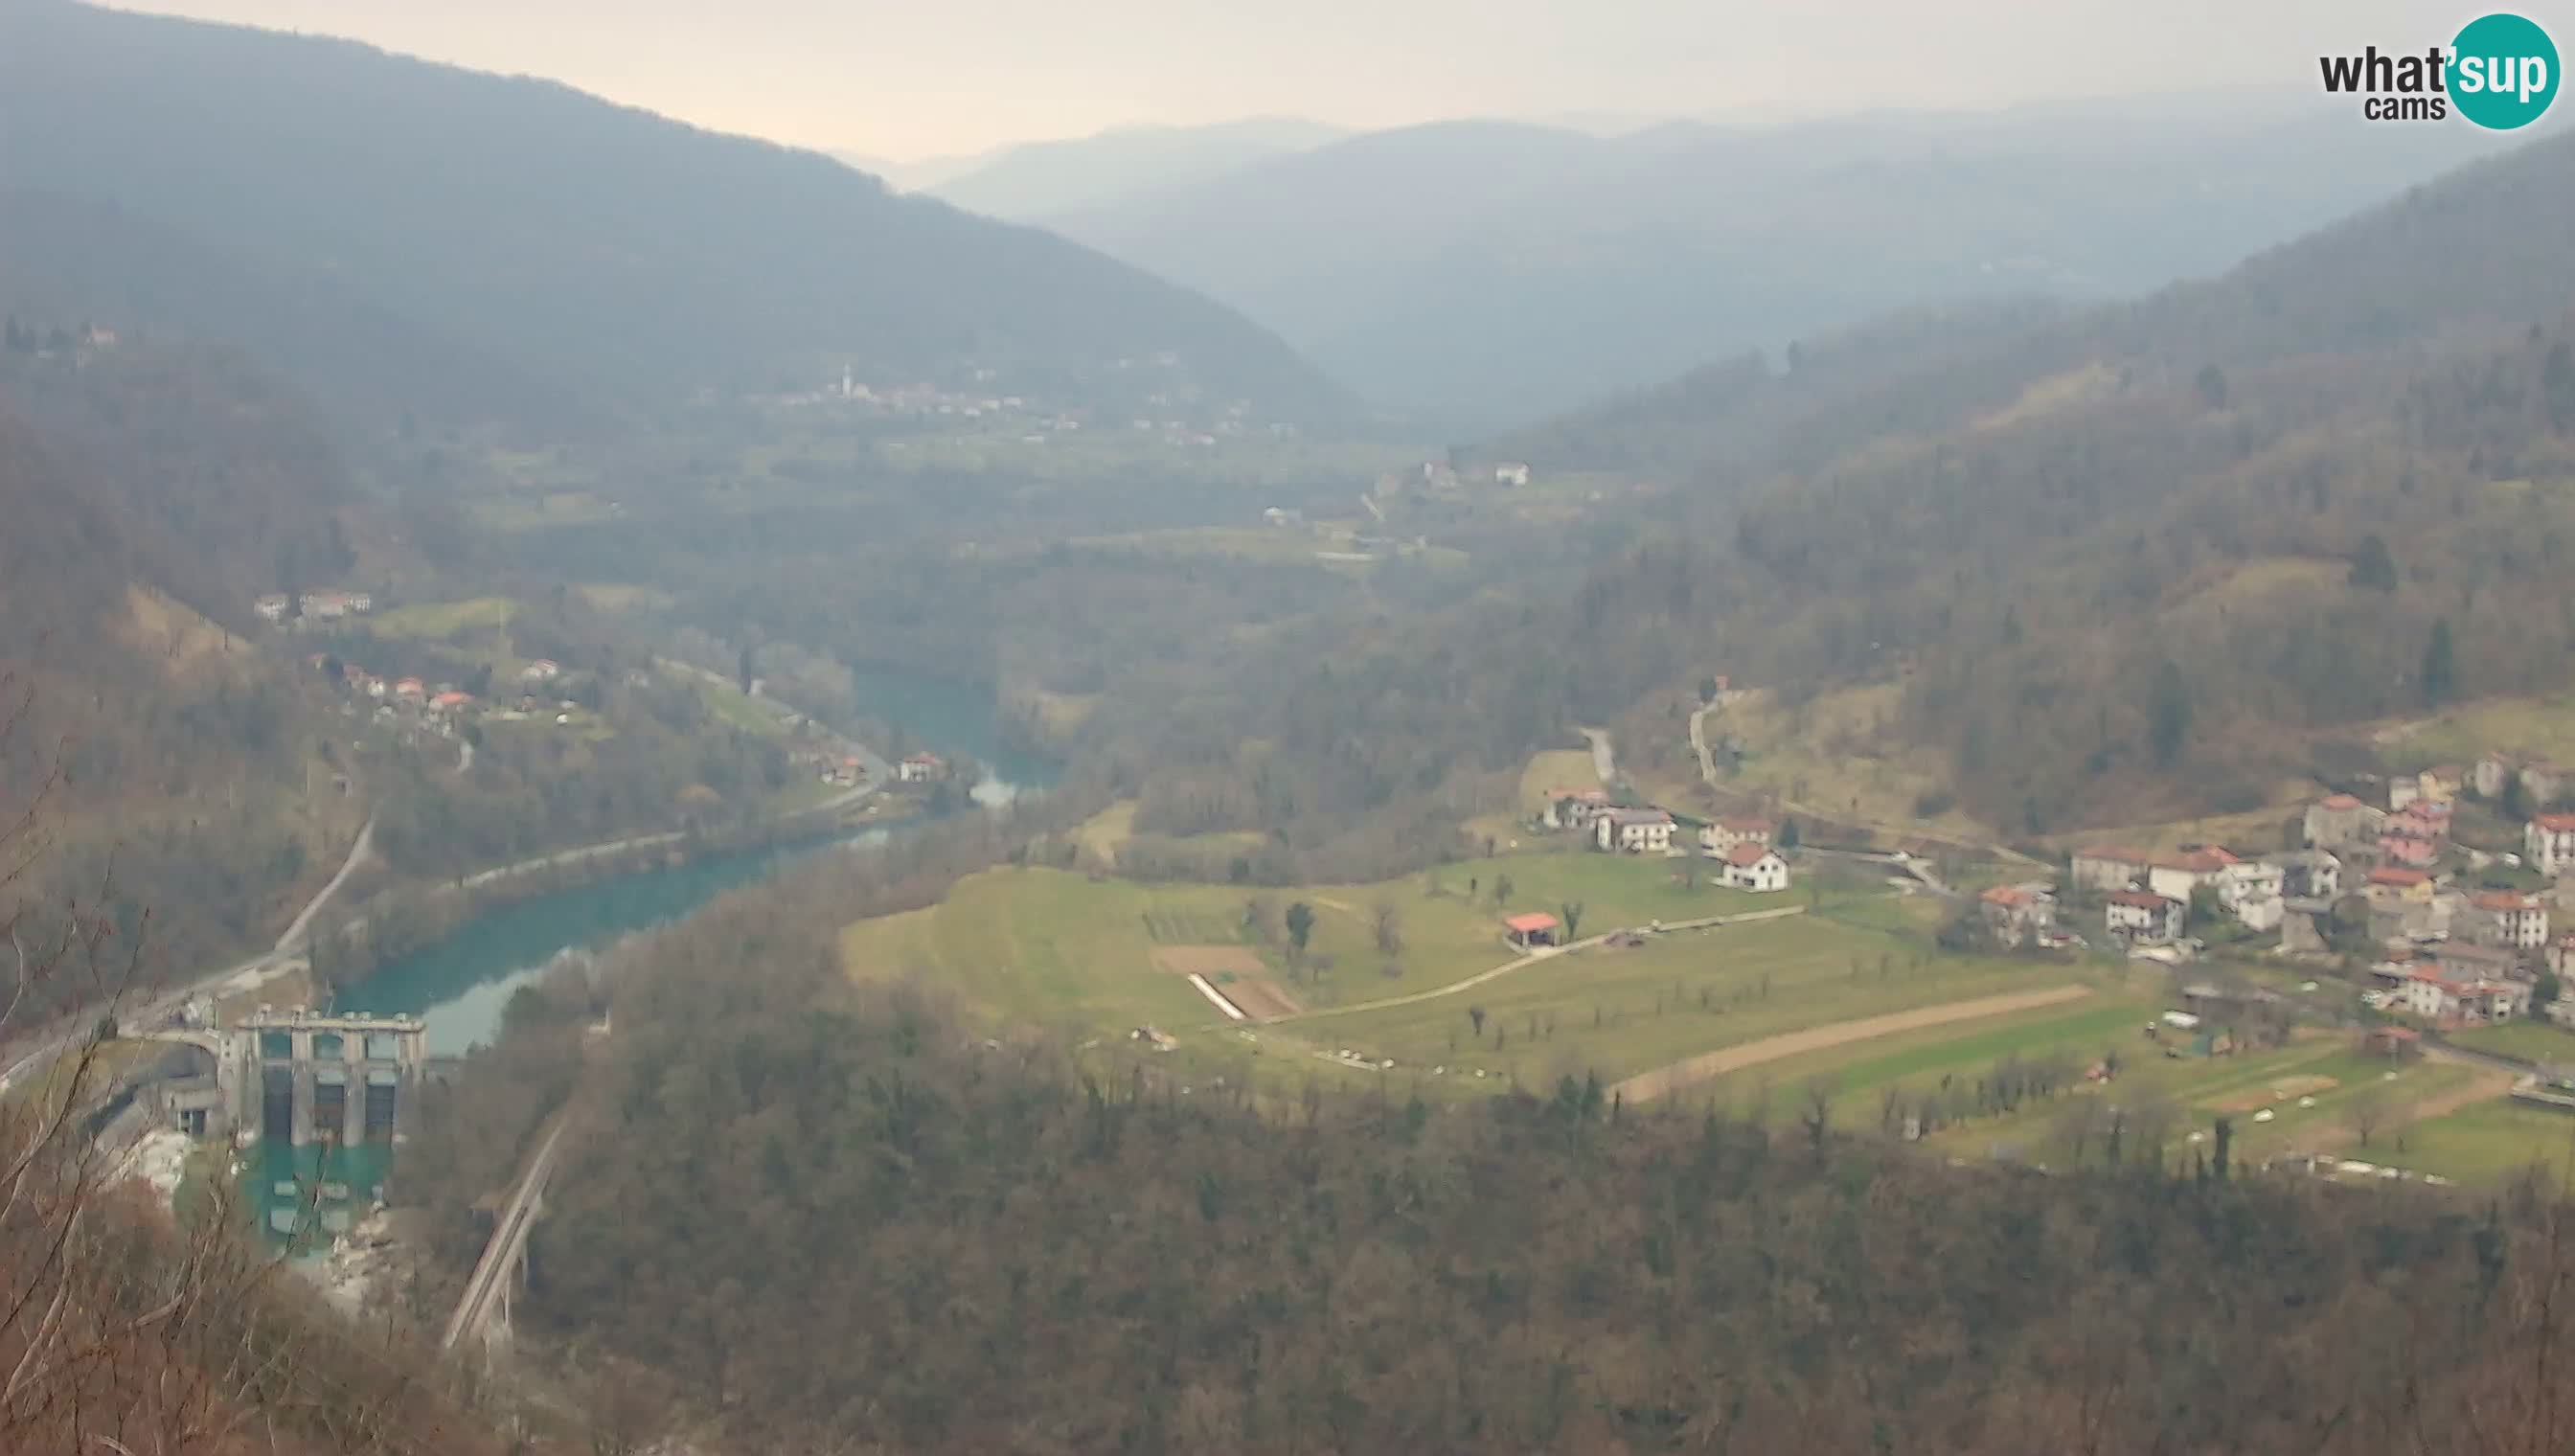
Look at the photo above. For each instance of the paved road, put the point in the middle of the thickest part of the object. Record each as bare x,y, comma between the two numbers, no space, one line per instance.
1604,759
492,1273
359,853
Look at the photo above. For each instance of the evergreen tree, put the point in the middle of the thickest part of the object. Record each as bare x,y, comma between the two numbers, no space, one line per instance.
2372,566
2440,665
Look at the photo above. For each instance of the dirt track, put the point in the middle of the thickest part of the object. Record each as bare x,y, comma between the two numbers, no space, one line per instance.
1664,1080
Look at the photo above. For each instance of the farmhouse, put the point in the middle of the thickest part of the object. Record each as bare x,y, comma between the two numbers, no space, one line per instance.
2444,998
2109,867
2548,843
1636,831
2019,913
2307,873
2142,915
2174,876
1530,930
2391,886
920,769
1574,808
1723,835
1754,867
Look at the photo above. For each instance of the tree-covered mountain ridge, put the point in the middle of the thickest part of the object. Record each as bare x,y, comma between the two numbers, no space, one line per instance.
2110,560
631,257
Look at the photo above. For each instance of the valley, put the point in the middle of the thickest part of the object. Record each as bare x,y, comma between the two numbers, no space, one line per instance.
1465,784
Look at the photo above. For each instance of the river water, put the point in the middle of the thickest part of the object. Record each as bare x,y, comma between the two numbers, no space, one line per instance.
459,985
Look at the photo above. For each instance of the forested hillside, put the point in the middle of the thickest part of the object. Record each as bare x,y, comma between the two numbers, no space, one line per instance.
150,492
597,246
1488,272
2127,562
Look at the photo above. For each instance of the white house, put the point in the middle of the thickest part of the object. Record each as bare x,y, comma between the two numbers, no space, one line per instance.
2307,873
1510,472
919,768
2445,998
543,670
271,608
2144,914
1755,867
2175,876
1636,830
2510,921
2548,843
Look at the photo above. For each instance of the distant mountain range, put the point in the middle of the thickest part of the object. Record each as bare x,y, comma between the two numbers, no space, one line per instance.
1030,181
602,249
1490,271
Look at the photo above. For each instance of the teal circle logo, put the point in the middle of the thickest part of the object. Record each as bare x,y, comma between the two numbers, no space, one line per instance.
2503,72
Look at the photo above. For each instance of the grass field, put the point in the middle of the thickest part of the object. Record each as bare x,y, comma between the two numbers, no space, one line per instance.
2541,727
1057,950
2489,1142
1554,769
2532,1041
438,621
1620,1013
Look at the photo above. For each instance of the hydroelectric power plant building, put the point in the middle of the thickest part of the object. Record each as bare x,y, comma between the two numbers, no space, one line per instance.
300,1076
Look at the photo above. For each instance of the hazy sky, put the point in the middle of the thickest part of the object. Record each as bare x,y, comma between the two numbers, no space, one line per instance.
928,77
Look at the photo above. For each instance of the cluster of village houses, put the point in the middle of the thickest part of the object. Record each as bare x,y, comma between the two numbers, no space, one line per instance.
441,705
2451,950
1744,846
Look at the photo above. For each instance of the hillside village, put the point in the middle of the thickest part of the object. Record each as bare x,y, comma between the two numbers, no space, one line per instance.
2452,892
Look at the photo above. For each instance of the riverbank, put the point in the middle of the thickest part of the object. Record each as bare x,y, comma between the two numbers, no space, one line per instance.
404,918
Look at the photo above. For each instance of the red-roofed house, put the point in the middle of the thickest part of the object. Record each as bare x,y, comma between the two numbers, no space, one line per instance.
2144,914
1530,929
920,769
2394,884
2019,913
2407,840
1574,808
411,689
2548,843
450,701
1755,866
